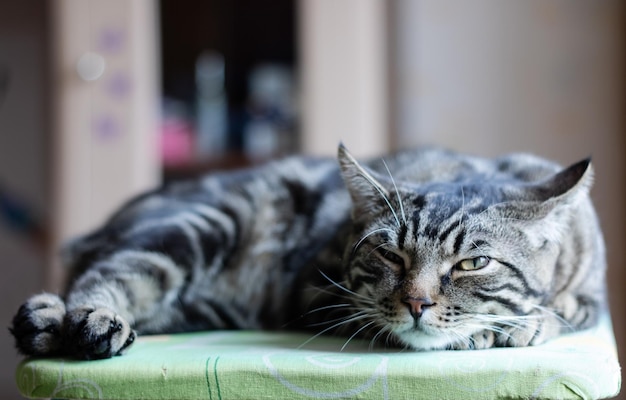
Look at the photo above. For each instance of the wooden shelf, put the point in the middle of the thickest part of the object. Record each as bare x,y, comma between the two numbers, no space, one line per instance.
225,162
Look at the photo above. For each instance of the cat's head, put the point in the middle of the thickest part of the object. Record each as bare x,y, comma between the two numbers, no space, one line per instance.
435,263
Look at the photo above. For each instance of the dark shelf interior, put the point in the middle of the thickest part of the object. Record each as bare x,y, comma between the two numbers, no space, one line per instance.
247,34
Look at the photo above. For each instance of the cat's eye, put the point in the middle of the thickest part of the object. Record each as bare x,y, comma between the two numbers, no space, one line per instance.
392,257
473,264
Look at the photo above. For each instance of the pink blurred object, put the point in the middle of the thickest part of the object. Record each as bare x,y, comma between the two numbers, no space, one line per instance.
176,142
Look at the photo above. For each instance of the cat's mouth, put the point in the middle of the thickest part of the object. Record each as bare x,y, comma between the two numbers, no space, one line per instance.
423,323
420,327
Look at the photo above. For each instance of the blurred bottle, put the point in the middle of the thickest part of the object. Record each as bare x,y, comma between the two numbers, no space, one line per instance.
271,112
211,106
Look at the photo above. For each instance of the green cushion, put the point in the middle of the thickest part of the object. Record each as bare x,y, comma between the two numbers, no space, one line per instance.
262,365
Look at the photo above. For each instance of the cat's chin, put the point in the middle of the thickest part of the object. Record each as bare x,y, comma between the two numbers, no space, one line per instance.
419,340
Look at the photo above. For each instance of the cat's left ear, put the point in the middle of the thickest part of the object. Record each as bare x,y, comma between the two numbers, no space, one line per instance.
558,191
567,186
364,186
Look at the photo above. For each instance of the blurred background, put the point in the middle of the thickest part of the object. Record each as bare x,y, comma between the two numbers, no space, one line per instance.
101,99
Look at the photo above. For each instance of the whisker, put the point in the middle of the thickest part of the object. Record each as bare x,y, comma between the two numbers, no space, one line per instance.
347,321
327,307
495,322
499,324
462,206
360,313
356,246
462,338
388,337
500,318
382,330
309,312
397,192
376,186
356,333
345,289
552,313
477,247
324,290
376,248
500,331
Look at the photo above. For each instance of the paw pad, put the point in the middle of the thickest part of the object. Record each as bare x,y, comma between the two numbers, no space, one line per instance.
38,324
97,333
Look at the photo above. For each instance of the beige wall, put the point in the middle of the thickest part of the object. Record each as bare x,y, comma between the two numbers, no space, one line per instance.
105,131
343,76
489,77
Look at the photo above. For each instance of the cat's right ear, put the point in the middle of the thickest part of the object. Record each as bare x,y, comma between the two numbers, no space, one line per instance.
365,189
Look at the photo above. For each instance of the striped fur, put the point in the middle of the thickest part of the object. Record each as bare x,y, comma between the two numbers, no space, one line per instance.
427,249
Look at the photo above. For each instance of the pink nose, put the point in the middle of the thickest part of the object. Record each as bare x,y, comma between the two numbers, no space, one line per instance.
417,306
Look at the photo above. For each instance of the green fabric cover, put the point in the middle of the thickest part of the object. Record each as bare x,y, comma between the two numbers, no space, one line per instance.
262,365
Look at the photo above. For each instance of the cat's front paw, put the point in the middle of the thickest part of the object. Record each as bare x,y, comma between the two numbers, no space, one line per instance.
483,340
479,340
38,325
530,333
95,333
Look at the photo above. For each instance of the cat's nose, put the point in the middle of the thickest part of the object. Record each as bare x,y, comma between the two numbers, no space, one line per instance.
417,305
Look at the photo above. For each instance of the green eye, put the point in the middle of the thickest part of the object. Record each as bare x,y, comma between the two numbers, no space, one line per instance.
473,264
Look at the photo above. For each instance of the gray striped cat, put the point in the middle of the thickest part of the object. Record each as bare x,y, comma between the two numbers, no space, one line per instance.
426,249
